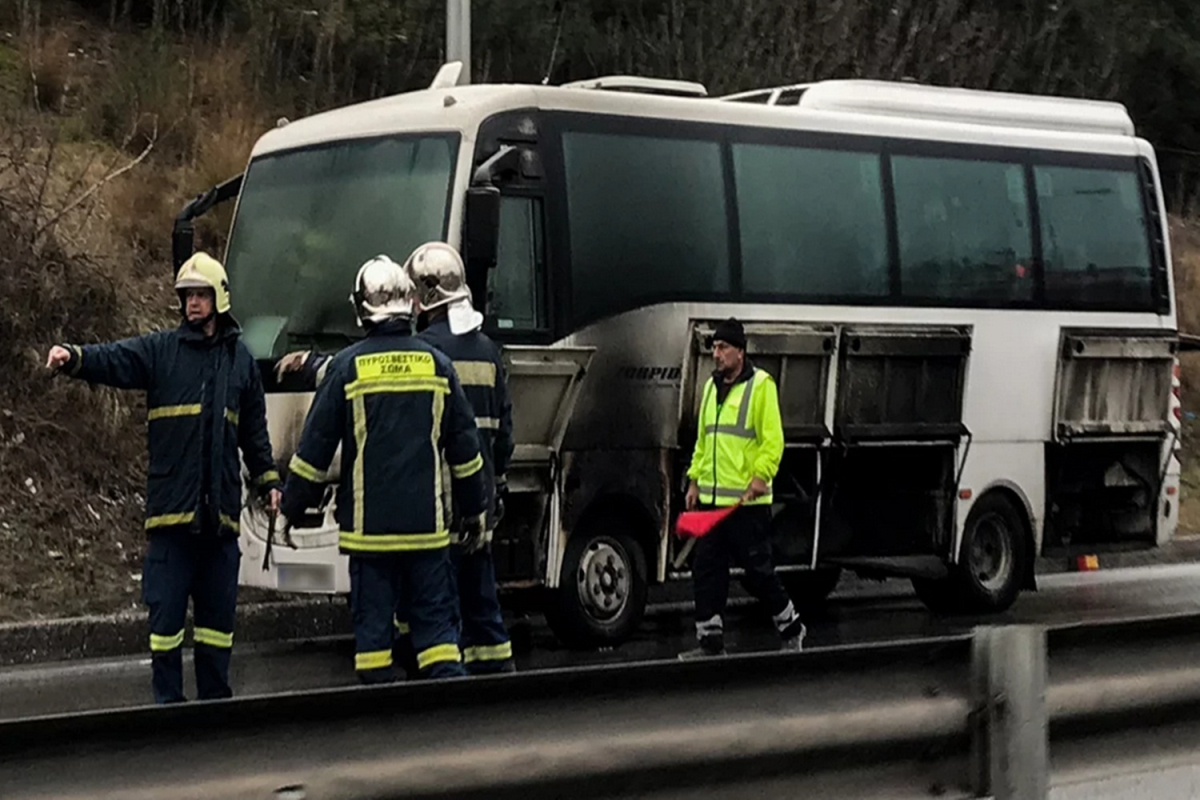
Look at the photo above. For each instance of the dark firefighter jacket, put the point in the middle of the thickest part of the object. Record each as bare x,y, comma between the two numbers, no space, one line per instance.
480,369
193,477
394,405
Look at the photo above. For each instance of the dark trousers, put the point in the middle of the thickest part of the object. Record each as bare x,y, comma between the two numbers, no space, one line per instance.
377,583
743,540
486,646
179,565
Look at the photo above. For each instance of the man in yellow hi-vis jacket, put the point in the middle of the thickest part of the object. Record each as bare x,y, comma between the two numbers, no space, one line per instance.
739,446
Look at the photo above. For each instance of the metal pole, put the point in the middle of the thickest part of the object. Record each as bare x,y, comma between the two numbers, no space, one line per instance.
1009,729
458,36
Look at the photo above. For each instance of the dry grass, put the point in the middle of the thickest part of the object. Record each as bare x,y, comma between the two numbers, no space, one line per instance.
1185,255
50,72
70,456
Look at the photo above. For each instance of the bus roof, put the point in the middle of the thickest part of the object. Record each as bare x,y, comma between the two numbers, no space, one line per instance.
879,108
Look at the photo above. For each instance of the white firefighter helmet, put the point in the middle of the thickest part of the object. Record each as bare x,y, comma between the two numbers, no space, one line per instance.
382,291
437,271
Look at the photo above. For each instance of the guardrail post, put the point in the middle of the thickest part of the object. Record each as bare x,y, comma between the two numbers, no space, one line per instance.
1009,725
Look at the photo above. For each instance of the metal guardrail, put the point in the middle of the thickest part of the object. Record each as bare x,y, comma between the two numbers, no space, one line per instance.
968,714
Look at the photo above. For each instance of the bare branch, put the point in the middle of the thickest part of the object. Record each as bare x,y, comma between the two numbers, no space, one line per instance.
98,185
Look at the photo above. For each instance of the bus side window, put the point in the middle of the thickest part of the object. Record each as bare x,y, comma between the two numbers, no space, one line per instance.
517,286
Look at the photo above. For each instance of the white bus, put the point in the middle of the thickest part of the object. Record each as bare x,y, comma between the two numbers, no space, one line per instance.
965,298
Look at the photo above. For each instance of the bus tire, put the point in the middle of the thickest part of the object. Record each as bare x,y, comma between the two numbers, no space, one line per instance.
991,564
810,588
601,595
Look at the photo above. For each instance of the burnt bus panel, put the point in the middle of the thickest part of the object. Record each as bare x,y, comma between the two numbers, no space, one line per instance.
901,383
1103,492
1114,383
518,545
797,356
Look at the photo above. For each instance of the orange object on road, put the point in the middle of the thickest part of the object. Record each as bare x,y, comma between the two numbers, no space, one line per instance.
698,523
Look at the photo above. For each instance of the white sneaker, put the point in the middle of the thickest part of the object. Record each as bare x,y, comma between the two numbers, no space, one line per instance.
794,643
708,647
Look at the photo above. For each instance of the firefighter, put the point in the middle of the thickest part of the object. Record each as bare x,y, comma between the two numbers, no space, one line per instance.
394,405
739,446
205,400
453,326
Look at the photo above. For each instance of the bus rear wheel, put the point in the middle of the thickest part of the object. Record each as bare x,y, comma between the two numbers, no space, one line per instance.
987,577
601,595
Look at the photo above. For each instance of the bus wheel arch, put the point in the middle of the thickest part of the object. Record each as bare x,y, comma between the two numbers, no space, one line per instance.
1024,509
601,596
994,559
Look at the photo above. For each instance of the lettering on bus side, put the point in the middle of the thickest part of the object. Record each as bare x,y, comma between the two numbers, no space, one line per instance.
665,375
386,365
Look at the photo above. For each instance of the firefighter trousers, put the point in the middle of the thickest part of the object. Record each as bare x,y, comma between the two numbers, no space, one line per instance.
180,564
743,540
485,643
377,583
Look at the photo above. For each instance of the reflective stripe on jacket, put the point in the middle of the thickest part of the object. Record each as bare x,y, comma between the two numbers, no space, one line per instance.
738,438
480,369
394,404
185,375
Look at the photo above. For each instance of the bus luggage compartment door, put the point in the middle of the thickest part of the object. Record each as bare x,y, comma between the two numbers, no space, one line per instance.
543,385
1106,462
901,383
798,358
1113,383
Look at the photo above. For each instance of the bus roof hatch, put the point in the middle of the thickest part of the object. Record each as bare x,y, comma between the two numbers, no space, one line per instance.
969,106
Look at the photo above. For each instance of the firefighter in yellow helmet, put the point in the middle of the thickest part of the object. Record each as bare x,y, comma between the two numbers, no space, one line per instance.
204,402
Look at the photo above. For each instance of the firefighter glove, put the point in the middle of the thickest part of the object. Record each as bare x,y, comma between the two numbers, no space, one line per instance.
473,533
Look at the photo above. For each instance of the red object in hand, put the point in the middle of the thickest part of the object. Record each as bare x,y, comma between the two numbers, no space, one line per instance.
699,523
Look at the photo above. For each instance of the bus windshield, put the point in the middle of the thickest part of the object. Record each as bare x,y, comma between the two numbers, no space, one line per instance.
307,219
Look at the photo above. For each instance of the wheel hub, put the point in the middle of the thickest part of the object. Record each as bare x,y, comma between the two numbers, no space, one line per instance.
603,580
991,553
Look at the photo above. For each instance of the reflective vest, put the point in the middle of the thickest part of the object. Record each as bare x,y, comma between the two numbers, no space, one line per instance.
737,439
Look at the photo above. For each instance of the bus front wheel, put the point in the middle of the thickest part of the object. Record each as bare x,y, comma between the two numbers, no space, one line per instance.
987,577
601,595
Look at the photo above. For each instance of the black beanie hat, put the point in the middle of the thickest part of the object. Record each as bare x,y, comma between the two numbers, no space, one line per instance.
731,332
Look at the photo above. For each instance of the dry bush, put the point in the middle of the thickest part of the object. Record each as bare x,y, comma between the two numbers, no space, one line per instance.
50,73
1185,257
71,455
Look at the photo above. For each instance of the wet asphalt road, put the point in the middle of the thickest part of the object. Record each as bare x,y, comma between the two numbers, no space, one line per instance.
859,613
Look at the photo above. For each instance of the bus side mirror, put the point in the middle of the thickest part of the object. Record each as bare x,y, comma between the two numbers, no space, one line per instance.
182,242
482,228
184,233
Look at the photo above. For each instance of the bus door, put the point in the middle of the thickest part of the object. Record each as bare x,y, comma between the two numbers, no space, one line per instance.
799,357
543,383
1113,436
899,444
